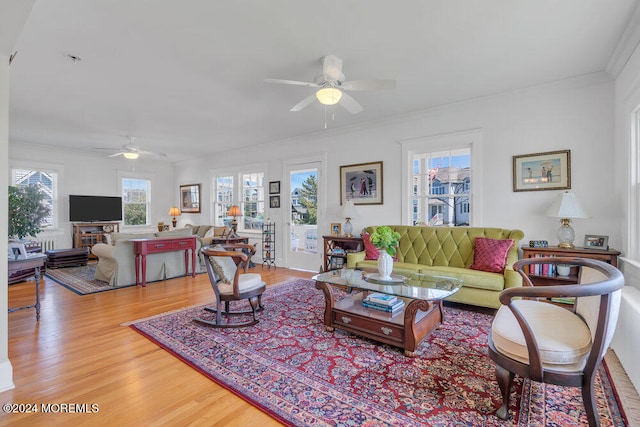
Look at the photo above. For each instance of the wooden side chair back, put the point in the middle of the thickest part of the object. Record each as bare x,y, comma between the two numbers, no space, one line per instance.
227,268
534,338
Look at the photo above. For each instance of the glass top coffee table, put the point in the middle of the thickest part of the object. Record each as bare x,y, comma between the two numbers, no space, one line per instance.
406,328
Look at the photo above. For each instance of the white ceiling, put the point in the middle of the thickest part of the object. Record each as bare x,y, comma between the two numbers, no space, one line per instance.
186,77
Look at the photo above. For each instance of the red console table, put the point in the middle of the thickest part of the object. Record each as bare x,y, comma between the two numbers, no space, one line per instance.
142,247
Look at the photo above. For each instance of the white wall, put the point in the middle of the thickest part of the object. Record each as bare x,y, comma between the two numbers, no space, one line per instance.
93,174
575,114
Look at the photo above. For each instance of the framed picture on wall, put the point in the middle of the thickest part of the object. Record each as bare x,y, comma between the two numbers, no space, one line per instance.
274,187
274,201
361,183
542,171
190,198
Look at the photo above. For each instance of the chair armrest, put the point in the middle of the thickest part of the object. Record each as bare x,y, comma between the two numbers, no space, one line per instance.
353,258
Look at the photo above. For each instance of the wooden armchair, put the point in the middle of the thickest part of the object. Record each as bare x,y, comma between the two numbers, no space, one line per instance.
227,269
552,344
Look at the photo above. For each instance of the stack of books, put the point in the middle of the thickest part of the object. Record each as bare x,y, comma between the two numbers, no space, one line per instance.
383,302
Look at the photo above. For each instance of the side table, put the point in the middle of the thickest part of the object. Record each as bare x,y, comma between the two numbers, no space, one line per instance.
143,247
35,261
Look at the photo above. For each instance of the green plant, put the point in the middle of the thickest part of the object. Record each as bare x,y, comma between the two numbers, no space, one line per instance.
27,211
384,238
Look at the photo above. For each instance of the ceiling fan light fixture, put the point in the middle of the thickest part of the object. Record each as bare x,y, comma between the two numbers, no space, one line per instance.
131,155
329,96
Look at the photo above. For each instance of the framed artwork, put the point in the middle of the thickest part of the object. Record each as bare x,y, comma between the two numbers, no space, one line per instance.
336,228
17,251
361,183
274,187
593,241
190,198
542,171
274,201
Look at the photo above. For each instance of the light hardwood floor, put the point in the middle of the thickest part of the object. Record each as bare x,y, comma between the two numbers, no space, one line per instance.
79,352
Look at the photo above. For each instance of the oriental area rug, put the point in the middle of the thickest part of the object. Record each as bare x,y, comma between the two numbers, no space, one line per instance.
289,366
78,279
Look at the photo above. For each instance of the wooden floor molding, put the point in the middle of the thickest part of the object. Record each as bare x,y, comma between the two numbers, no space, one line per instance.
80,353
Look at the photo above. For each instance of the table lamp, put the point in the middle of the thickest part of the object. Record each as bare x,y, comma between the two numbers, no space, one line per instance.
174,212
566,206
347,212
234,211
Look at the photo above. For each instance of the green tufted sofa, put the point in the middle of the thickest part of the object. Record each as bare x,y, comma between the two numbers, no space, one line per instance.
449,251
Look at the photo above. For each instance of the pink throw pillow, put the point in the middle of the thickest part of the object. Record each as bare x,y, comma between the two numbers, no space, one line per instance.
371,252
491,254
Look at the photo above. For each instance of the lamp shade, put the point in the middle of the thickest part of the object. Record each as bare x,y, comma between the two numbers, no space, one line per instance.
130,155
566,205
348,210
329,96
234,211
174,211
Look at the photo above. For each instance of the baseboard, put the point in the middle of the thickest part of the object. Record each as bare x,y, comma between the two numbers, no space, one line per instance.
6,376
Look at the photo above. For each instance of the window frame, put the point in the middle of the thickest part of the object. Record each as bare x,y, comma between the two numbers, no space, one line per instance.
139,177
471,139
220,218
56,206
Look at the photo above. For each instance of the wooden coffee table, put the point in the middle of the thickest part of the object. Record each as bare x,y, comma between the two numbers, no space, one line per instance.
422,313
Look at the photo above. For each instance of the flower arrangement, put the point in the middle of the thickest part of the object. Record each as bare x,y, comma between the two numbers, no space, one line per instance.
384,238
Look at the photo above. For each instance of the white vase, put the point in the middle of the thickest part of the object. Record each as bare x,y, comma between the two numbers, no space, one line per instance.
385,265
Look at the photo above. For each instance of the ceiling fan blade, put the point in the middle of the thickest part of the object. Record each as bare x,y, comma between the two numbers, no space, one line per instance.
291,82
331,68
369,85
151,153
300,105
117,154
350,104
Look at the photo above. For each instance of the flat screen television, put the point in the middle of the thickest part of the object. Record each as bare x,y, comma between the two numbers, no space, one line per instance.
95,208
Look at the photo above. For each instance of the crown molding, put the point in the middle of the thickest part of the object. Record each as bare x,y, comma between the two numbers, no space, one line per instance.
626,46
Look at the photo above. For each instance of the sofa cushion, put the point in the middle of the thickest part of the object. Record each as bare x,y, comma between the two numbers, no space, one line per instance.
118,237
224,266
178,232
491,254
470,278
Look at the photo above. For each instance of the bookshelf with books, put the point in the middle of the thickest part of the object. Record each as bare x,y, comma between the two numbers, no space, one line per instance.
336,249
547,274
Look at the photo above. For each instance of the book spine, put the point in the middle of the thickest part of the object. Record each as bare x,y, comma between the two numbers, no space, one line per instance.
385,309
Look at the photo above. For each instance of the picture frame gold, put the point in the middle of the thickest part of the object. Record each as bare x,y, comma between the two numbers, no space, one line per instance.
362,183
190,198
336,229
550,170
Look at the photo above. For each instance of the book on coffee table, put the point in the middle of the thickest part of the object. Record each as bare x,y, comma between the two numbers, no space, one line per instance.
383,299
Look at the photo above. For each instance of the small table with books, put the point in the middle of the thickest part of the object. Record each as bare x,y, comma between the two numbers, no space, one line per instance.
401,312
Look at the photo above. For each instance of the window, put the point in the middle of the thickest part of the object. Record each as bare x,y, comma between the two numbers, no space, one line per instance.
47,181
224,200
253,200
247,191
442,187
136,201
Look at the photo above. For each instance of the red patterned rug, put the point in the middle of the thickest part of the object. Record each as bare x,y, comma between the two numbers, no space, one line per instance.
290,367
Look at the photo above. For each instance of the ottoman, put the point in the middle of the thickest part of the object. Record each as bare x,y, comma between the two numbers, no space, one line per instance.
67,257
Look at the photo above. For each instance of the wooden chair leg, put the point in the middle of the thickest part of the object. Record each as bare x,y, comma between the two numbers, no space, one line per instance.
255,302
505,379
589,401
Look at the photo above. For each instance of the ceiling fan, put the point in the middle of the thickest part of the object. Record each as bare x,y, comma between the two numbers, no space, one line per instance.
331,86
131,152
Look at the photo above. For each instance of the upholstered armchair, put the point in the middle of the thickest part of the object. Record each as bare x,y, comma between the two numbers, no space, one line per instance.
545,342
228,273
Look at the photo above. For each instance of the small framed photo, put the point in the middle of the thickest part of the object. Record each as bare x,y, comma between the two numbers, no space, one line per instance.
593,241
274,201
190,198
17,251
336,228
542,171
274,187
